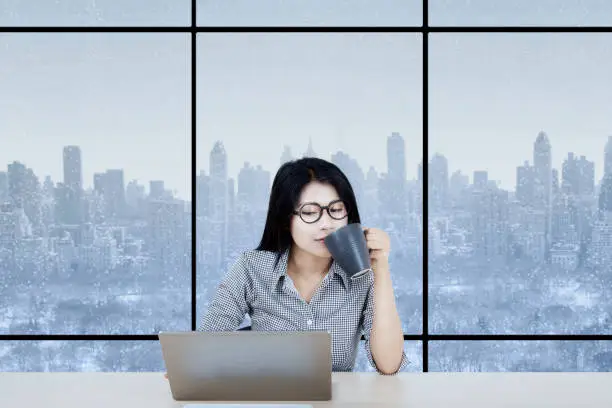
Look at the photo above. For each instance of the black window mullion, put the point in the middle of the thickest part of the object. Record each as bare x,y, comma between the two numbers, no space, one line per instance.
424,187
194,170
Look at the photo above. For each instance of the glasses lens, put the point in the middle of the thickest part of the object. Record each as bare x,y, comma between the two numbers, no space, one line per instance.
338,210
310,212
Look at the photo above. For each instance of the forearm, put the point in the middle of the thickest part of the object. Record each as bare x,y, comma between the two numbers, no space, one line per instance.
387,336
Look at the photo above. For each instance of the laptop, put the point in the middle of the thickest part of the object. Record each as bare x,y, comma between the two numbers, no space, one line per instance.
248,365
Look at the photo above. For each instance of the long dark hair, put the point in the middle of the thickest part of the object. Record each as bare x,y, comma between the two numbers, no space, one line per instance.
287,187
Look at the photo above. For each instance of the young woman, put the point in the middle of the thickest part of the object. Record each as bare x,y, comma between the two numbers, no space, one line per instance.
290,281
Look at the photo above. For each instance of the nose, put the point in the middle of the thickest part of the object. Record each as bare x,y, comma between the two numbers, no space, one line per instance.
325,220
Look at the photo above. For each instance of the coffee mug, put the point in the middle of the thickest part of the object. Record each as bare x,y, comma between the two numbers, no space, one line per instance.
348,247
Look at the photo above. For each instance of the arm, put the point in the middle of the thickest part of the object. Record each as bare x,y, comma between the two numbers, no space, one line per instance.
229,304
382,326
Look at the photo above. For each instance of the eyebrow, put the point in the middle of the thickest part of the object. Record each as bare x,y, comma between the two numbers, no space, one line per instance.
314,202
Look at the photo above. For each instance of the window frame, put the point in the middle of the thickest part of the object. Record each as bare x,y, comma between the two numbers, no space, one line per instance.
424,30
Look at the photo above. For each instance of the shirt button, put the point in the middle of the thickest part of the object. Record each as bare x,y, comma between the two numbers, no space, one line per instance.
309,322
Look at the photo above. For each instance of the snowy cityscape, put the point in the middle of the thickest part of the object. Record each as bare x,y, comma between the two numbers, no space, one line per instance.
542,252
112,259
96,178
535,260
116,258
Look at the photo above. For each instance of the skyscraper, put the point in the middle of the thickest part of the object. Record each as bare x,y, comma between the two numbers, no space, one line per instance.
218,206
286,156
73,168
310,151
542,194
72,192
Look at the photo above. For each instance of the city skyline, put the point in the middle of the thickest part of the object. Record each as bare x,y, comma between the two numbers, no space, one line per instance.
297,153
67,170
556,165
485,113
327,156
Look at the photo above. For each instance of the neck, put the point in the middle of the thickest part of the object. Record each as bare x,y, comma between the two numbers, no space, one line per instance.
307,265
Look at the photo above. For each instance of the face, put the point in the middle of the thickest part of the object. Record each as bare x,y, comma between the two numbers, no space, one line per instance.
308,236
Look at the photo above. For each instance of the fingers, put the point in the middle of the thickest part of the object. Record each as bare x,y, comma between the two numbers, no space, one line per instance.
166,376
371,233
376,244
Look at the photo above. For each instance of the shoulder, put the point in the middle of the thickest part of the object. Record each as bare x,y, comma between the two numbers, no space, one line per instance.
249,269
258,262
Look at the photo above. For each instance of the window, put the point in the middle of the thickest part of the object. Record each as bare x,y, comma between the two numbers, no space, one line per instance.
95,13
528,13
95,189
513,356
517,229
77,355
469,107
94,221
353,99
278,13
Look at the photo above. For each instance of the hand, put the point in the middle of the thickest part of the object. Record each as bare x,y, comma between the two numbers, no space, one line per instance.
166,376
379,244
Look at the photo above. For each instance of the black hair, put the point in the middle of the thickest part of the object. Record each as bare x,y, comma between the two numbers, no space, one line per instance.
290,180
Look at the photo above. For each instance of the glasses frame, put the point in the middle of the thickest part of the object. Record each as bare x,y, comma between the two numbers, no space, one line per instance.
298,212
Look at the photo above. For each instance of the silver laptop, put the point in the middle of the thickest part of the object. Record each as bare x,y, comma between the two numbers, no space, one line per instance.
248,365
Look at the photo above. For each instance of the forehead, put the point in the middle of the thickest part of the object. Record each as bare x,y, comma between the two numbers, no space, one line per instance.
318,192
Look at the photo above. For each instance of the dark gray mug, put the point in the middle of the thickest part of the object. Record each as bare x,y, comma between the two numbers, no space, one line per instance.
348,247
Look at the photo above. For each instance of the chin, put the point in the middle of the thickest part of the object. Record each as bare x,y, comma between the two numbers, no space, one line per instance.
321,252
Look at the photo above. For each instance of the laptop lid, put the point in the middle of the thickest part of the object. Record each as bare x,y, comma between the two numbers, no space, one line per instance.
248,365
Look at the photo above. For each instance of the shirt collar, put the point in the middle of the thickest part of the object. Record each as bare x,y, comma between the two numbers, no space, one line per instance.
281,269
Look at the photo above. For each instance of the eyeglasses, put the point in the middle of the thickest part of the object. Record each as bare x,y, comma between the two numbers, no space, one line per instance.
312,212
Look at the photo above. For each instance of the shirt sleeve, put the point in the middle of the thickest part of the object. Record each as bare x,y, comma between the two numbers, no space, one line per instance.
368,317
230,302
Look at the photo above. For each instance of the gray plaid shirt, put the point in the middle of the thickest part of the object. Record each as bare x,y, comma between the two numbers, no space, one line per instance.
254,286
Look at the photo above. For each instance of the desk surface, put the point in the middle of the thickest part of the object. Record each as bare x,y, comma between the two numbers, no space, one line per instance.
361,390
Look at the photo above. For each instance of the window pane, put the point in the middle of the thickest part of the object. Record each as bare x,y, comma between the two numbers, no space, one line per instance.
95,219
96,13
519,204
351,99
520,12
414,353
494,356
80,356
310,13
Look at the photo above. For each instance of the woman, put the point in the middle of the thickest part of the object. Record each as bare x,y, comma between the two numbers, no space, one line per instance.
290,281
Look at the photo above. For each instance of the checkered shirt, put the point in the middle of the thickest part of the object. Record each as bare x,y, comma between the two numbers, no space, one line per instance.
254,286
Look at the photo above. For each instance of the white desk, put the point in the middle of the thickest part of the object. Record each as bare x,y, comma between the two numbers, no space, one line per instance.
360,390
